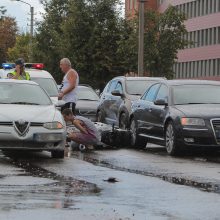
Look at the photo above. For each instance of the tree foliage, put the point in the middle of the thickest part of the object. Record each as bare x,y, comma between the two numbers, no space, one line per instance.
8,29
102,44
87,32
21,48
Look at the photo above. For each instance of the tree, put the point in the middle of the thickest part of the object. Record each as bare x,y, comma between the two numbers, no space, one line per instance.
85,31
8,29
170,40
21,48
163,38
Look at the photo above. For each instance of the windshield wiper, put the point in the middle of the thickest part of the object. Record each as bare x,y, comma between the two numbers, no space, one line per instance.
89,99
191,103
24,103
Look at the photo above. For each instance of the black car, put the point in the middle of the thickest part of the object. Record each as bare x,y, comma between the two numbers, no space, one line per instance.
117,96
178,114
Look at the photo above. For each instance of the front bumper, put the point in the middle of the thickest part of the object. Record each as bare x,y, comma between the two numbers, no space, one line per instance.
33,140
197,137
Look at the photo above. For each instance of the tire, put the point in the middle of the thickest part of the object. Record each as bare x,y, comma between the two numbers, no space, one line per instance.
171,141
100,117
57,154
136,140
123,121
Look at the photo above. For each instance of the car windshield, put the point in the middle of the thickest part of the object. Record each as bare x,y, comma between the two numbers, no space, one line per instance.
196,94
85,93
20,93
133,89
48,84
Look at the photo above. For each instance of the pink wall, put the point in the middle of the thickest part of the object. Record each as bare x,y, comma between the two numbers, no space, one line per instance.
203,22
166,3
200,53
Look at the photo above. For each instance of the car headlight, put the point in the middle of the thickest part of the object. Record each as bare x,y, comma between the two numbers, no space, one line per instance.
192,122
53,125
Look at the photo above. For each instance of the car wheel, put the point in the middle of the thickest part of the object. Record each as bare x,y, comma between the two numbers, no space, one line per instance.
100,117
123,124
136,140
170,138
57,154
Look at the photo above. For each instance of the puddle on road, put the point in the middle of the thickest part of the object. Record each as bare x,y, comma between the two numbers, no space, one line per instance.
39,188
172,178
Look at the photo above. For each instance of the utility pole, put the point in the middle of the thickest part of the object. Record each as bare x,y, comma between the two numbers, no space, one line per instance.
141,39
31,31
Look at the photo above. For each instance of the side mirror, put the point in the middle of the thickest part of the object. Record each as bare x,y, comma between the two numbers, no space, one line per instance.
117,93
161,102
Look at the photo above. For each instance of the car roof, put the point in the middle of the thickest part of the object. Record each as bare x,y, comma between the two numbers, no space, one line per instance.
34,73
133,78
191,82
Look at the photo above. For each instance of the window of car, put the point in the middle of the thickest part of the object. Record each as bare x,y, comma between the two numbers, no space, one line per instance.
162,93
137,87
85,93
48,84
112,86
20,93
196,94
119,87
151,93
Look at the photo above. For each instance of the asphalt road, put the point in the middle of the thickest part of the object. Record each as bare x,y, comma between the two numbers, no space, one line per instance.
109,184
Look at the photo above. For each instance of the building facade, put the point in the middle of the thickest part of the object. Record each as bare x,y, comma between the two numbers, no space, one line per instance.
131,6
202,57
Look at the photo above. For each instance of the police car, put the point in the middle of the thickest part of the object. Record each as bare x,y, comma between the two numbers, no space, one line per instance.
38,75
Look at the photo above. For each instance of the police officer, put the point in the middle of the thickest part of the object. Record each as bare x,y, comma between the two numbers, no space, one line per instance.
19,72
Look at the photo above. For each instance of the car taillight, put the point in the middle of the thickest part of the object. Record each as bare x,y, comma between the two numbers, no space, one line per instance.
38,66
34,65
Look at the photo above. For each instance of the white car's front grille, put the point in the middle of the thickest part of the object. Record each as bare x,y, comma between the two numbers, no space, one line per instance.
8,123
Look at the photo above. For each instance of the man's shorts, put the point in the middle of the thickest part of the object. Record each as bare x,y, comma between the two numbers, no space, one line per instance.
85,138
69,105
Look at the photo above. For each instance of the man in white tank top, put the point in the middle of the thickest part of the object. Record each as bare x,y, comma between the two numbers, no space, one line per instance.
69,86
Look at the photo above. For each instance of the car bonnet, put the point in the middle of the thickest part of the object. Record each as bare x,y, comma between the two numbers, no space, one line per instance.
30,113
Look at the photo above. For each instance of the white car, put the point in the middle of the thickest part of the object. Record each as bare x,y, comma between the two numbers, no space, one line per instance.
29,120
46,81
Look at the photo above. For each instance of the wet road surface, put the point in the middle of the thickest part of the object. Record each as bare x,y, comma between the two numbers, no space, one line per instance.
34,186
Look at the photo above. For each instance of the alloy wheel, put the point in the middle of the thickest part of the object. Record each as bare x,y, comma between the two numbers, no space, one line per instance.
133,132
169,138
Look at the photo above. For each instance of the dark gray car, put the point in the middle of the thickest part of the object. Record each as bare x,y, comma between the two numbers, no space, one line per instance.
117,96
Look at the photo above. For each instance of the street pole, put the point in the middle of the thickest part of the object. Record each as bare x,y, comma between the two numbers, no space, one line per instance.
31,32
141,39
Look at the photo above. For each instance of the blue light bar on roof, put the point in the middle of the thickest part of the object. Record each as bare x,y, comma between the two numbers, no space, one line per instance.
8,65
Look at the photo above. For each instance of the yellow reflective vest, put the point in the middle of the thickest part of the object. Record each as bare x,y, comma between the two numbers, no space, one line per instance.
22,77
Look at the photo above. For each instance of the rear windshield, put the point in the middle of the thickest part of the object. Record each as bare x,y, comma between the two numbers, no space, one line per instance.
85,93
48,84
137,87
196,94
